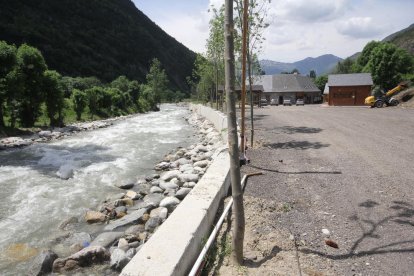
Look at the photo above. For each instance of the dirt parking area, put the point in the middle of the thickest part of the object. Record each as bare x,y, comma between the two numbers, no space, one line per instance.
344,174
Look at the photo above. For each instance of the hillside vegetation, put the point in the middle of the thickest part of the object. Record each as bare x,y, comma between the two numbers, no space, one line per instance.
101,38
403,39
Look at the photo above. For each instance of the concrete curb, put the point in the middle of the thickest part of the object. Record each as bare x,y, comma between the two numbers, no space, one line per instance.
174,247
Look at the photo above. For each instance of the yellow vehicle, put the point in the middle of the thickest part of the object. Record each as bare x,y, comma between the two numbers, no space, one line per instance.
387,97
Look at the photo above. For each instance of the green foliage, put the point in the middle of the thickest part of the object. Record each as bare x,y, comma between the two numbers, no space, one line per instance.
54,97
31,93
345,67
388,64
8,61
321,81
32,67
156,86
312,74
80,101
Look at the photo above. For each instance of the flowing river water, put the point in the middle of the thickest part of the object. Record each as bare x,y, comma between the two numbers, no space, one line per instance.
34,200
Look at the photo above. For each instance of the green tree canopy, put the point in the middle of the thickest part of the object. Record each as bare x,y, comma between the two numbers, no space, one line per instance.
53,88
32,66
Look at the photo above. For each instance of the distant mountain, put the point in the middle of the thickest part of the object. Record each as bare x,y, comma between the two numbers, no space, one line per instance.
102,38
403,39
322,65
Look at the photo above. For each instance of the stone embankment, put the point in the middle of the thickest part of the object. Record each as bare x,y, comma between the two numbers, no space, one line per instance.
131,217
55,133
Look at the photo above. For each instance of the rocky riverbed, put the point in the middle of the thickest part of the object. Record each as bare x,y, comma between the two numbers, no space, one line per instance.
129,218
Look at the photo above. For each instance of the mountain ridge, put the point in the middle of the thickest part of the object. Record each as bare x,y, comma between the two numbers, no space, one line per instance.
321,64
102,38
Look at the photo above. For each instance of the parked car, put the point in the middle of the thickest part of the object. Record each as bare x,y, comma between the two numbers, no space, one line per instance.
300,102
274,102
287,102
263,102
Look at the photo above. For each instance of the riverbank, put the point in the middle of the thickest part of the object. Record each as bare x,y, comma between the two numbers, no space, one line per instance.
126,219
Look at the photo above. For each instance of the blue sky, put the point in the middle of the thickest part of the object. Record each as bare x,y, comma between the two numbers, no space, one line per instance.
298,28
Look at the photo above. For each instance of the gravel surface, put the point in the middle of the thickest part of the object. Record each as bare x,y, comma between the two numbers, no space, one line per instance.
343,174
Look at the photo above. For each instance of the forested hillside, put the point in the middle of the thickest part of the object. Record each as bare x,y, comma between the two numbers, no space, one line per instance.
403,39
102,38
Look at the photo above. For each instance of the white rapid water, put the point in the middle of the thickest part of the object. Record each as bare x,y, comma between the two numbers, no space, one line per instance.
34,200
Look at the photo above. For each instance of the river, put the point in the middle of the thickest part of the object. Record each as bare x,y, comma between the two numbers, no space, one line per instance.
34,200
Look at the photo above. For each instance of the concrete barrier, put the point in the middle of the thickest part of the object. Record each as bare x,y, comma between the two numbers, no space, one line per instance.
175,246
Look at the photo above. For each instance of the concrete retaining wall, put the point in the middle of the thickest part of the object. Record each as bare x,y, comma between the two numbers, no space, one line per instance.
175,246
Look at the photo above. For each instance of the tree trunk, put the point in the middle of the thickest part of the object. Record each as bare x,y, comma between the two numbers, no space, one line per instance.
237,194
249,64
1,115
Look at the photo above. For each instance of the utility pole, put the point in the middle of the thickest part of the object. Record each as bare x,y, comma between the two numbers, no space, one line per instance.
237,193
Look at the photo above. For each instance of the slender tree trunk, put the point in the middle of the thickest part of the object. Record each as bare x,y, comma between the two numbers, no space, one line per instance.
249,64
237,194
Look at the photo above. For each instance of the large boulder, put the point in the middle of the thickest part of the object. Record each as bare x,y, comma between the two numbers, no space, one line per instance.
119,259
43,263
153,200
94,216
168,185
152,223
170,203
188,177
167,176
182,193
86,257
132,218
106,239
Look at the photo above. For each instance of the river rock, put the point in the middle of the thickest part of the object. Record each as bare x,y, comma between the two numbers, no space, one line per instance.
106,239
201,148
131,218
86,257
170,203
134,245
182,161
114,197
169,192
160,212
123,244
93,217
149,178
162,166
182,193
167,176
156,190
133,195
66,222
201,164
153,200
82,239
186,167
168,185
45,134
143,189
119,259
190,177
125,186
155,176
135,229
155,182
152,223
121,209
43,263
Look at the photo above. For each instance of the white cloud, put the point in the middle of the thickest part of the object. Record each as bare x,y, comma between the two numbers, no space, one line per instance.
309,11
360,27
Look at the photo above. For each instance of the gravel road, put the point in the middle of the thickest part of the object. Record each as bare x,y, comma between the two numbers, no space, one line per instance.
349,170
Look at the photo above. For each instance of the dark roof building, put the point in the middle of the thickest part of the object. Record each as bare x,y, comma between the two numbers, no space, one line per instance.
348,89
289,86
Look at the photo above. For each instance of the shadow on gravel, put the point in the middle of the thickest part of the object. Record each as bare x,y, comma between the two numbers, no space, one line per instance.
259,117
302,172
301,145
293,130
403,214
250,263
